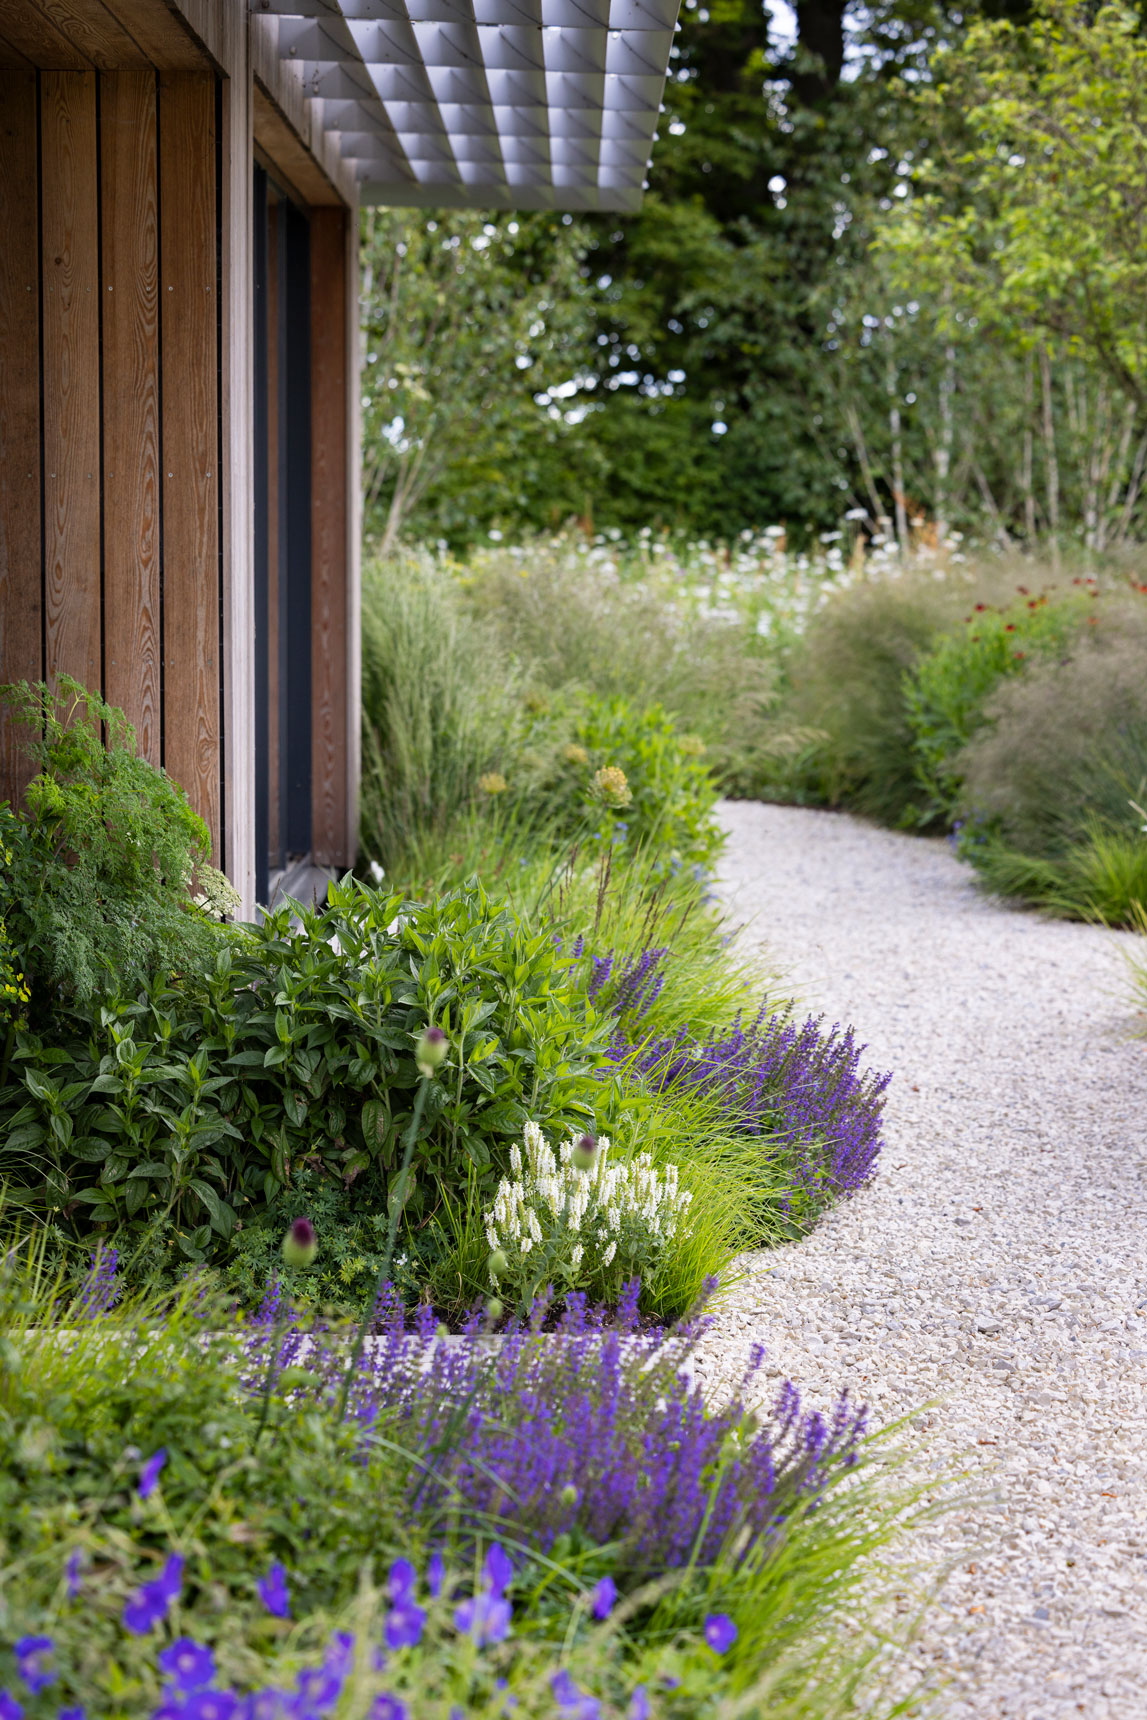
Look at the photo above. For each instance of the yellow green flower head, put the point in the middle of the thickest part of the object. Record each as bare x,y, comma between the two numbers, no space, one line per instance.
576,755
692,745
492,782
611,787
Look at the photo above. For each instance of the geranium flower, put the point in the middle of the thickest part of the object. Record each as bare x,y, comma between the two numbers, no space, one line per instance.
603,1597
484,1617
10,1709
720,1632
210,1705
387,1707
400,1583
72,1573
639,1704
32,1654
272,1591
499,1570
188,1664
149,1604
404,1625
149,1474
435,1575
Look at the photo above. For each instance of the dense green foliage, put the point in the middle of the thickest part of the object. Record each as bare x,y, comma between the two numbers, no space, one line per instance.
98,876
87,1399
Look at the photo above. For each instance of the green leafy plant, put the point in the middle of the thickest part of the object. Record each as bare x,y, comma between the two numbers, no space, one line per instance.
946,692
98,890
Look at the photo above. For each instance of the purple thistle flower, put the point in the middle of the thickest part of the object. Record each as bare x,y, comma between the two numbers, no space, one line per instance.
32,1655
272,1591
10,1709
388,1707
603,1597
149,1474
720,1632
188,1664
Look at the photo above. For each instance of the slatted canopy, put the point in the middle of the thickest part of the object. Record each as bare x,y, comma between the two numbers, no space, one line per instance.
515,104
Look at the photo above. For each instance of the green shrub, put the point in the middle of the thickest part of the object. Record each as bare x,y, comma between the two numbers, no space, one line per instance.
1053,780
653,632
88,1398
663,807
946,692
841,734
192,1106
438,706
99,876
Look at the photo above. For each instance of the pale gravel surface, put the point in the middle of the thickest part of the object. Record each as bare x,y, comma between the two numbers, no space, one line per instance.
997,1264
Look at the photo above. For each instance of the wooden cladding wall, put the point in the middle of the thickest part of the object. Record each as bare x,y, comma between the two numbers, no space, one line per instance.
110,426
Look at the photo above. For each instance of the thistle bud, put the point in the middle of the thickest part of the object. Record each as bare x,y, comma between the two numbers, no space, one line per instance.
494,1310
431,1051
569,1495
300,1245
585,1151
498,1263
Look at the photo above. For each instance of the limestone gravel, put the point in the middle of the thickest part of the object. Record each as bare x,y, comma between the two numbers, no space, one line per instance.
996,1269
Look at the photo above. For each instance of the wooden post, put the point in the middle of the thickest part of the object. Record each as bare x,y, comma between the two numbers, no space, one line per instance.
21,613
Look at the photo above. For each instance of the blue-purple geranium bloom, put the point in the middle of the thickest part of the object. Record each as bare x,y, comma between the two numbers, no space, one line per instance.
33,1657
602,1598
149,1474
188,1664
272,1591
720,1632
10,1709
150,1603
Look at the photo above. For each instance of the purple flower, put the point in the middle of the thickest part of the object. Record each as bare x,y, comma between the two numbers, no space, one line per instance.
400,1583
99,1291
32,1655
267,1705
71,1714
485,1618
435,1575
720,1632
574,1703
10,1709
149,1604
639,1704
149,1474
272,1591
339,1657
603,1597
499,1571
210,1705
387,1707
188,1664
72,1572
404,1625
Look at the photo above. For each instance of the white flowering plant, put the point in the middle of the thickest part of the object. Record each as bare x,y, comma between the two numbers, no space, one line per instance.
577,1221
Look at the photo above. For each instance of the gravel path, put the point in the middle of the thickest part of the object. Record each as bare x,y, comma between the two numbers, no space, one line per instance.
997,1267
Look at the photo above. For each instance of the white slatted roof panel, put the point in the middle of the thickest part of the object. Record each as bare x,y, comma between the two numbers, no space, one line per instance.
486,104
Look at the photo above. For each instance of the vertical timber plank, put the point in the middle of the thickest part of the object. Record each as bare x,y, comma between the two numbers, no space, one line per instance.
189,357
237,372
130,252
71,382
20,547
329,535
353,657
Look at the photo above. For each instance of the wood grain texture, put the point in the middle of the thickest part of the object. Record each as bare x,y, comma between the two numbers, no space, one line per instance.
190,423
37,38
20,611
71,384
130,299
10,56
90,27
161,34
329,536
354,533
237,260
287,157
